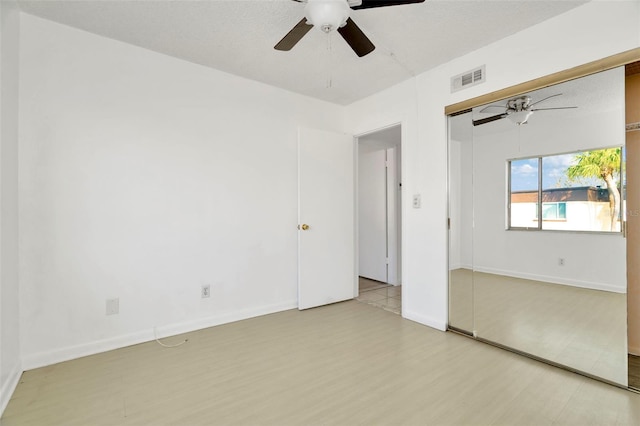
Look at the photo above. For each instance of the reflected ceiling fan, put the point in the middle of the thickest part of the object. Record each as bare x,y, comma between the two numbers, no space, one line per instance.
329,15
518,110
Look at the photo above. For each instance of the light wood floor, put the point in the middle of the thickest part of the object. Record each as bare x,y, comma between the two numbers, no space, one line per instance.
342,364
580,328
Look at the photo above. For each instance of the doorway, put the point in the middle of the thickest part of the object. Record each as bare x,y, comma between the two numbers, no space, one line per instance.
379,218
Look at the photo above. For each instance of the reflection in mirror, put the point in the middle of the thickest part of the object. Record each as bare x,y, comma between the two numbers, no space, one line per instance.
460,223
549,263
585,182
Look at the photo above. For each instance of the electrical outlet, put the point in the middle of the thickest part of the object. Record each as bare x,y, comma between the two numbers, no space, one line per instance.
417,201
113,306
206,291
561,261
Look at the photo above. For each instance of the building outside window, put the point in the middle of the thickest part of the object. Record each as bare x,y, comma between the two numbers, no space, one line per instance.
553,188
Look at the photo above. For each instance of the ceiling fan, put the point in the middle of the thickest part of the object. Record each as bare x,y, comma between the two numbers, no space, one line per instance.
329,15
518,110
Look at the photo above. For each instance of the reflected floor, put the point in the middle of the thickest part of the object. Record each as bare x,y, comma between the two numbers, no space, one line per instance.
381,295
580,328
461,299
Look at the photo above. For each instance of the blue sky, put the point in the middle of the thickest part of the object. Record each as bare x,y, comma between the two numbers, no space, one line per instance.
524,173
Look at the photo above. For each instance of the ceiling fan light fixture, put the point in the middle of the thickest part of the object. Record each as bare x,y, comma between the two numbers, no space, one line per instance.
328,15
519,117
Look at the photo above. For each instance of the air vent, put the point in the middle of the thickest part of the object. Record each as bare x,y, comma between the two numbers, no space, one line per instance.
468,79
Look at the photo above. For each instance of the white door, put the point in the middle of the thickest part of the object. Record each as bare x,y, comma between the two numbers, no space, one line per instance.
372,212
326,207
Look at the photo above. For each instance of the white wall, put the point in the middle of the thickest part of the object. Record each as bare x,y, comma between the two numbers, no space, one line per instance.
460,204
144,177
10,361
584,34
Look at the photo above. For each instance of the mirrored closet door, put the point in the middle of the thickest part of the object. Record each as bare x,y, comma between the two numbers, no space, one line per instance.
460,223
537,254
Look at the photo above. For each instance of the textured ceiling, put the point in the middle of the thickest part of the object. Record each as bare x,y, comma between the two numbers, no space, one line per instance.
237,36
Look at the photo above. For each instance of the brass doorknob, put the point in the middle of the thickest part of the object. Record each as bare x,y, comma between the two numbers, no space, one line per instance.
304,227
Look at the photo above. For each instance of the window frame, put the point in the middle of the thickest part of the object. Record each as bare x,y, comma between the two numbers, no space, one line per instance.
557,209
539,203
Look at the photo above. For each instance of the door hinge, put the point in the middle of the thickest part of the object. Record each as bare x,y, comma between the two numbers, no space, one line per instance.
386,261
448,223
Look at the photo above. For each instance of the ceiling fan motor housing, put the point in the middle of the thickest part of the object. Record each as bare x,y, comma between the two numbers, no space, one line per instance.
328,15
519,104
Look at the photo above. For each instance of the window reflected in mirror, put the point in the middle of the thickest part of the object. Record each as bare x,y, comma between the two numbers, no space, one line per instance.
579,191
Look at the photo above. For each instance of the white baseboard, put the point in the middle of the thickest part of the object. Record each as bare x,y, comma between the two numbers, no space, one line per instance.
460,266
43,359
8,387
553,280
425,320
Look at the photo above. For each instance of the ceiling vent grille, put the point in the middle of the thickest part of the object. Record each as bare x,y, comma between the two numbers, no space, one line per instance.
468,79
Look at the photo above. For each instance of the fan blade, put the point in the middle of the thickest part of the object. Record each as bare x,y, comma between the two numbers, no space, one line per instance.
547,109
542,100
294,36
354,36
502,107
368,4
489,119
